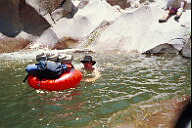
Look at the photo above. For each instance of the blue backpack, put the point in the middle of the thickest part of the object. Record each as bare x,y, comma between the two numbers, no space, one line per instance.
46,69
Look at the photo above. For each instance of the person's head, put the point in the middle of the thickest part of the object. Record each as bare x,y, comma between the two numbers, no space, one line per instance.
88,62
65,59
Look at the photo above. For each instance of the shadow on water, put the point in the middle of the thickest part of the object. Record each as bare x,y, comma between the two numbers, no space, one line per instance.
126,80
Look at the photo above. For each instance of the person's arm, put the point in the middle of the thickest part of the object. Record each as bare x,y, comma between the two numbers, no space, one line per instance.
97,75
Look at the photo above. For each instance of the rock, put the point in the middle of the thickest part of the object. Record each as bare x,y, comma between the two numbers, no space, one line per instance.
163,49
20,17
37,5
140,30
85,20
32,22
26,23
186,50
67,10
12,45
82,4
125,3
66,43
46,40
9,17
122,3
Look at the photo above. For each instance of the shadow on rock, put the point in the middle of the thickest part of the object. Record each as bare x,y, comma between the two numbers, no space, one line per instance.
17,16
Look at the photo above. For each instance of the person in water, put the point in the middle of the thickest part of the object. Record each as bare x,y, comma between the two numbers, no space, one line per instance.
50,66
173,7
90,72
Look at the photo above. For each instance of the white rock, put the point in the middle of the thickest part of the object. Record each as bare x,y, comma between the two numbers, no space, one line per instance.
141,31
85,20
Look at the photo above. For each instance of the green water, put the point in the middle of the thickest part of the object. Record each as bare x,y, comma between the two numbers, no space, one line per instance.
126,80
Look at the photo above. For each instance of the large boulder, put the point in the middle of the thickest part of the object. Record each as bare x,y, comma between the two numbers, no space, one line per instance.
9,17
141,31
17,16
85,20
19,19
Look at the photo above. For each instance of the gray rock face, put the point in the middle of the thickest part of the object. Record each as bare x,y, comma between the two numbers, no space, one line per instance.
9,17
67,10
47,39
32,22
17,16
163,49
186,50
140,30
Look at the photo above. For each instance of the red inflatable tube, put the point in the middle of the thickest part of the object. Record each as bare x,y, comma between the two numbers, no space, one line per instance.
65,81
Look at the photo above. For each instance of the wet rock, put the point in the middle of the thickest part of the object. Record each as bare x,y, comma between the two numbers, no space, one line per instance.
12,45
162,49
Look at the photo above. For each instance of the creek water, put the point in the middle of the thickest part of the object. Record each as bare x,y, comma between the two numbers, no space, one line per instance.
126,79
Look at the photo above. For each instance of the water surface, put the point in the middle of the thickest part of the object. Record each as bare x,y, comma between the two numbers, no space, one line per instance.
126,80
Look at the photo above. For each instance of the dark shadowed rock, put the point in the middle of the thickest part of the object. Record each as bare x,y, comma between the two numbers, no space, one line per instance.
32,22
67,10
163,49
17,15
9,17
